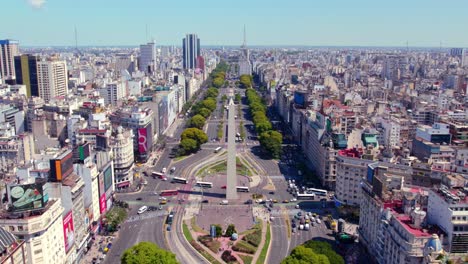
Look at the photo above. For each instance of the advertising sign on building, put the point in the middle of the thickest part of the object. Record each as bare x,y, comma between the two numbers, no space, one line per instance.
102,203
61,166
68,231
142,141
107,178
27,197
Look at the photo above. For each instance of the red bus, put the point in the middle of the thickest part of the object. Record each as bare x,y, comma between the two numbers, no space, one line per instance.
169,193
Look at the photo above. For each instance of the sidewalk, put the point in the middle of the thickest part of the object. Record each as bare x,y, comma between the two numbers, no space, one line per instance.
97,248
262,242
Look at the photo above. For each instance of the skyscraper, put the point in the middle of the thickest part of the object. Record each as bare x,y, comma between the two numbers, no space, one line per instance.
191,50
8,50
26,73
52,78
245,67
148,57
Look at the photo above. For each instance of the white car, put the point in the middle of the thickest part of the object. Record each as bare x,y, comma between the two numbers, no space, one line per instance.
164,170
162,198
293,200
142,209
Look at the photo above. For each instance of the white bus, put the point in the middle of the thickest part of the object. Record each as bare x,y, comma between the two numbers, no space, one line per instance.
217,149
305,196
317,191
204,184
156,174
179,180
242,189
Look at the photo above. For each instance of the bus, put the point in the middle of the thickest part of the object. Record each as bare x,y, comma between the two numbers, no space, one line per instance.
169,193
204,184
317,191
217,149
242,189
179,180
305,196
156,174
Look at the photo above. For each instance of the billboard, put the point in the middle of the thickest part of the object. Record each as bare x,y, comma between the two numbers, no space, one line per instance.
142,141
107,178
102,203
68,231
27,197
84,151
162,110
61,166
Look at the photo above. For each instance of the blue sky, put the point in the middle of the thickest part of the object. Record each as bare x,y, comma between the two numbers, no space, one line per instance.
220,22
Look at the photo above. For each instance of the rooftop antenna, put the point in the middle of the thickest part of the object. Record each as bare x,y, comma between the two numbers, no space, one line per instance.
245,39
146,32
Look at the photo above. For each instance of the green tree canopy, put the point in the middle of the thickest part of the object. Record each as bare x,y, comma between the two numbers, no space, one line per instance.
196,134
147,253
188,145
231,229
245,81
325,248
257,106
271,141
204,112
263,126
303,255
218,82
197,121
212,92
209,104
219,230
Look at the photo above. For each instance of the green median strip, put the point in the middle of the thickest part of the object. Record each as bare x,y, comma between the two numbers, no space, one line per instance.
263,254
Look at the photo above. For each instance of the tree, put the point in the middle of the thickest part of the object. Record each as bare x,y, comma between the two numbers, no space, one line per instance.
257,106
245,81
218,82
263,126
147,253
224,98
325,249
303,255
114,217
204,112
212,92
271,141
209,104
188,145
197,121
237,97
228,257
219,230
231,229
196,134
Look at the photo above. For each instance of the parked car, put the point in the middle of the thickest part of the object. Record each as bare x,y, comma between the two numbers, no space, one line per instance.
142,209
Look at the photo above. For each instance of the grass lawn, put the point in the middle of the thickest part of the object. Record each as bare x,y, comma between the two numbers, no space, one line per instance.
246,258
187,233
244,247
261,259
176,159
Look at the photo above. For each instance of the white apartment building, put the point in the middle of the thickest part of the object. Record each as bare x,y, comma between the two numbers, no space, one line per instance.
52,79
43,234
350,171
391,133
122,148
113,92
448,209
89,173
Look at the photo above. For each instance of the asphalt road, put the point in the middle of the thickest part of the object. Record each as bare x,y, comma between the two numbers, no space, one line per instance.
279,241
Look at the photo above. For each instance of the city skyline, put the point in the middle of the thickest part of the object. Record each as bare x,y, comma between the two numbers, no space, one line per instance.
335,23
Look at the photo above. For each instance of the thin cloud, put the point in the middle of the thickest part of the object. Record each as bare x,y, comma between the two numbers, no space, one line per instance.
36,3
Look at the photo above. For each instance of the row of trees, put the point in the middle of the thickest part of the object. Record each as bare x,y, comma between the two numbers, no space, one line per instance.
193,137
313,252
270,140
245,81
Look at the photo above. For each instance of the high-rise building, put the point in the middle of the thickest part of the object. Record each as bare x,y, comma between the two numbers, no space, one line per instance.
52,78
8,50
191,50
26,73
148,57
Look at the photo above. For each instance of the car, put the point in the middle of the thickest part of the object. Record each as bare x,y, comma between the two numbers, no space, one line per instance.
299,214
272,192
173,169
163,202
223,187
294,230
139,199
293,225
164,179
168,228
142,209
275,201
297,206
160,207
248,201
205,201
164,170
293,200
162,198
285,201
